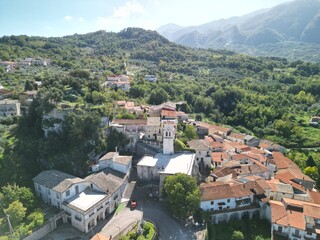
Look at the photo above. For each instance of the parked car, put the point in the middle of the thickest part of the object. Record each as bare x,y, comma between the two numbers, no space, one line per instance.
133,203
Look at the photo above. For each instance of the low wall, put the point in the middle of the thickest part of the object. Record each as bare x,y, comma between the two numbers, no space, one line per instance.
48,227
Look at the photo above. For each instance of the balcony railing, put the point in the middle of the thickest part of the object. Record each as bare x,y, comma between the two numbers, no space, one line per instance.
237,208
296,235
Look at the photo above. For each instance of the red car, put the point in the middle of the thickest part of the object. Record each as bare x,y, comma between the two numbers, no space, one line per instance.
133,204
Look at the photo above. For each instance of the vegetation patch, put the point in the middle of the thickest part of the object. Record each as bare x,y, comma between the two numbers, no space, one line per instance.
255,229
144,231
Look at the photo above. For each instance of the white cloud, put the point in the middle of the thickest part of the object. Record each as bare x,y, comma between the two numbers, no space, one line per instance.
68,18
156,2
81,19
49,28
121,17
131,7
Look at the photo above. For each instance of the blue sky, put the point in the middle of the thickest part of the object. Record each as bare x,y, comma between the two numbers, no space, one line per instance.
66,17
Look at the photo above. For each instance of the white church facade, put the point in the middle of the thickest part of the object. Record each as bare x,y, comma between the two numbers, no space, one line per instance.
168,162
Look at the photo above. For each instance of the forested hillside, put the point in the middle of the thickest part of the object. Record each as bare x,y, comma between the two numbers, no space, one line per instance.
269,97
288,30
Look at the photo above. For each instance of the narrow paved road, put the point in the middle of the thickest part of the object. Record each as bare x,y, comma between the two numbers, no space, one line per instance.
168,228
120,222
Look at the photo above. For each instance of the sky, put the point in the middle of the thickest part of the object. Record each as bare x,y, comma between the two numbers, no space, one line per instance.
51,18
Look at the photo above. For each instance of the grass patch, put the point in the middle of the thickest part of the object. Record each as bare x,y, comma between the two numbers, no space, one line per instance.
120,207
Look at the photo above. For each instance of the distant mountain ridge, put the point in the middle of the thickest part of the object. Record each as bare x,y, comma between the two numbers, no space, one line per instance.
293,22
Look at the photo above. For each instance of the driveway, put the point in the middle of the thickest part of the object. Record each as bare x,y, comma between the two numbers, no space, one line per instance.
168,228
122,222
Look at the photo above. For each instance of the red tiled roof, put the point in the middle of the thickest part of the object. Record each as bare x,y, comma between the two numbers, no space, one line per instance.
278,213
219,156
168,113
224,171
314,196
99,236
214,191
237,135
283,162
238,157
216,145
209,139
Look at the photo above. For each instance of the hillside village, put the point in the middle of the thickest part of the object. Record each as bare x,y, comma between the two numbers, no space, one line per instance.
238,175
135,139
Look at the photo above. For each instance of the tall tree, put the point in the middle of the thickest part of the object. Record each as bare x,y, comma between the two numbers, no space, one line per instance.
181,195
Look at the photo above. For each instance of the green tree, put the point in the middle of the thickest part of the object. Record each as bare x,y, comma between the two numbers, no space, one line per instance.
13,193
36,219
181,190
158,96
190,132
311,162
237,235
16,211
312,172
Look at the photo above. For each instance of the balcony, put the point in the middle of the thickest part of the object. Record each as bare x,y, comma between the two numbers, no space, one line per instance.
69,214
296,235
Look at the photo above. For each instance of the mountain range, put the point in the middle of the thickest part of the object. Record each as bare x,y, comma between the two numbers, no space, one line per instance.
290,30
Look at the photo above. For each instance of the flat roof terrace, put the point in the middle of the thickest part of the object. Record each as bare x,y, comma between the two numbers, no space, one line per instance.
85,200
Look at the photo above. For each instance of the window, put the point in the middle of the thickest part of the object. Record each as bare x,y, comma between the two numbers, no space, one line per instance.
91,185
115,197
279,228
68,193
166,134
212,202
228,201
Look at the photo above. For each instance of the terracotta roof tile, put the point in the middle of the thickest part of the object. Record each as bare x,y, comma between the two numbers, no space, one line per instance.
278,213
219,156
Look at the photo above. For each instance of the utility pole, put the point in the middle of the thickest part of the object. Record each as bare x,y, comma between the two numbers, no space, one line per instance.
9,223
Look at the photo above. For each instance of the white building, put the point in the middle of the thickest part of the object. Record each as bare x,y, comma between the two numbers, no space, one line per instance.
295,219
84,201
167,163
233,200
203,151
9,108
153,129
151,78
168,136
115,161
